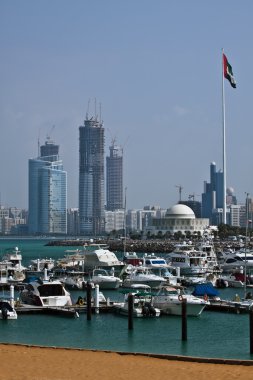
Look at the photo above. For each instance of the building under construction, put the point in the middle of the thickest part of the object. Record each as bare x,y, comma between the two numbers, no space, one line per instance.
91,177
114,178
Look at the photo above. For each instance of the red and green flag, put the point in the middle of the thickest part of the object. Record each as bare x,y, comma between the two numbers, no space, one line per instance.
228,72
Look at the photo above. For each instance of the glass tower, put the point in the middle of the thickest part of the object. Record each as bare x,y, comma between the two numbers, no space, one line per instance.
114,178
91,178
47,193
212,198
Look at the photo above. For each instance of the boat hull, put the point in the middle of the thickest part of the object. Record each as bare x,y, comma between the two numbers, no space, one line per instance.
138,312
193,310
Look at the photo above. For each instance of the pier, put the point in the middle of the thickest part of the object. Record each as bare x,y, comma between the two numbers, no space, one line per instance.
67,311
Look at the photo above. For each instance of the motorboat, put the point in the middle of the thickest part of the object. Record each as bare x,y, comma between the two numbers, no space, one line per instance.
72,279
154,262
45,293
41,264
160,267
132,258
142,305
231,260
105,280
11,268
7,311
231,280
73,259
206,246
169,301
99,256
189,260
142,275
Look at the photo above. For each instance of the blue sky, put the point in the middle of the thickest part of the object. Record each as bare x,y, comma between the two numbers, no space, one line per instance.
155,67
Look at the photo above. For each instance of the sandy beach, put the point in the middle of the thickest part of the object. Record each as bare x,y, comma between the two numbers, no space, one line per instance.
21,362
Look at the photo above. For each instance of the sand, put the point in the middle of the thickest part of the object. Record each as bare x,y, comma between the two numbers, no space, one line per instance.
22,362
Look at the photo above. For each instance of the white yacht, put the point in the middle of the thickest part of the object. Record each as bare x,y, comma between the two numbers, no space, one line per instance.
99,256
105,280
142,305
231,260
159,266
45,293
190,261
71,279
142,275
206,246
11,267
41,264
169,301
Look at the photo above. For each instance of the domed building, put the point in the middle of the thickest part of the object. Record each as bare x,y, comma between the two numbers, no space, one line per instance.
178,218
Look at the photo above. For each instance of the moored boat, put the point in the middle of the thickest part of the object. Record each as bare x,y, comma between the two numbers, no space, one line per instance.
141,275
7,311
105,280
142,305
169,301
45,293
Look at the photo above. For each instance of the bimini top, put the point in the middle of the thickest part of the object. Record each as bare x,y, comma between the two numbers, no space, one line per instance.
180,211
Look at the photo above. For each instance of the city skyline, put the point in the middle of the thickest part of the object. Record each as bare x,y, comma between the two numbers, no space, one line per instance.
156,70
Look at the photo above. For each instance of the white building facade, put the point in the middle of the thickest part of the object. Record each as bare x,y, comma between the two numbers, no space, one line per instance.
178,218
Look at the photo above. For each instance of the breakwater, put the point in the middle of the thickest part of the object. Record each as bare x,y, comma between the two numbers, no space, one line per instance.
139,246
149,246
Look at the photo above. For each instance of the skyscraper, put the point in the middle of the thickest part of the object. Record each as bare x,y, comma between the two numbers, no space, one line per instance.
114,178
91,177
47,192
212,198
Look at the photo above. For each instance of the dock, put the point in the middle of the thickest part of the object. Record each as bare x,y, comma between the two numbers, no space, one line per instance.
65,311
228,307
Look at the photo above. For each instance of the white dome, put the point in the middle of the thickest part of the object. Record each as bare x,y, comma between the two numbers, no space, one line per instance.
180,211
230,191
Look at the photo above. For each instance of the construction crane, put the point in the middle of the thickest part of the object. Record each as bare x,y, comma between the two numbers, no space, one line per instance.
180,188
49,134
192,196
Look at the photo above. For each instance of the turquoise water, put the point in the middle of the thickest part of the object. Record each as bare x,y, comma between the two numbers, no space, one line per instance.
220,335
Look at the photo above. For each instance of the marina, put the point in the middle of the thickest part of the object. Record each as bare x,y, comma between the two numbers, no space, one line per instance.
106,330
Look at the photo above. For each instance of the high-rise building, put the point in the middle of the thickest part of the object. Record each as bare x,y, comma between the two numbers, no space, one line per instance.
114,178
212,198
194,205
49,149
47,192
91,178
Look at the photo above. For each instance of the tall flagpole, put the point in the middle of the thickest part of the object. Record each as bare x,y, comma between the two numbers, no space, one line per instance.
224,219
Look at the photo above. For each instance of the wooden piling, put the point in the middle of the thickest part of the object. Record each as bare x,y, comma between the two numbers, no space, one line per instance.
130,311
88,298
184,319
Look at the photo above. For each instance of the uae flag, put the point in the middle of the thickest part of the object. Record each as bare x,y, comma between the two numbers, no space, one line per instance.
228,72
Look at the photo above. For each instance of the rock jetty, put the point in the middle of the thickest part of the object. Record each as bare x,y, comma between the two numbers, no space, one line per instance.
149,246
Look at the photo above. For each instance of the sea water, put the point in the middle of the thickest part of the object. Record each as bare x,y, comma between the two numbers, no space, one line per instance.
213,334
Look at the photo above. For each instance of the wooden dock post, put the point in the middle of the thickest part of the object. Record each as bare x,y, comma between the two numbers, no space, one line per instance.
96,299
130,311
251,328
88,298
184,319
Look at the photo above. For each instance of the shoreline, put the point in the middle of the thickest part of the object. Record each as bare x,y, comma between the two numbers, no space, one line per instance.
22,361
